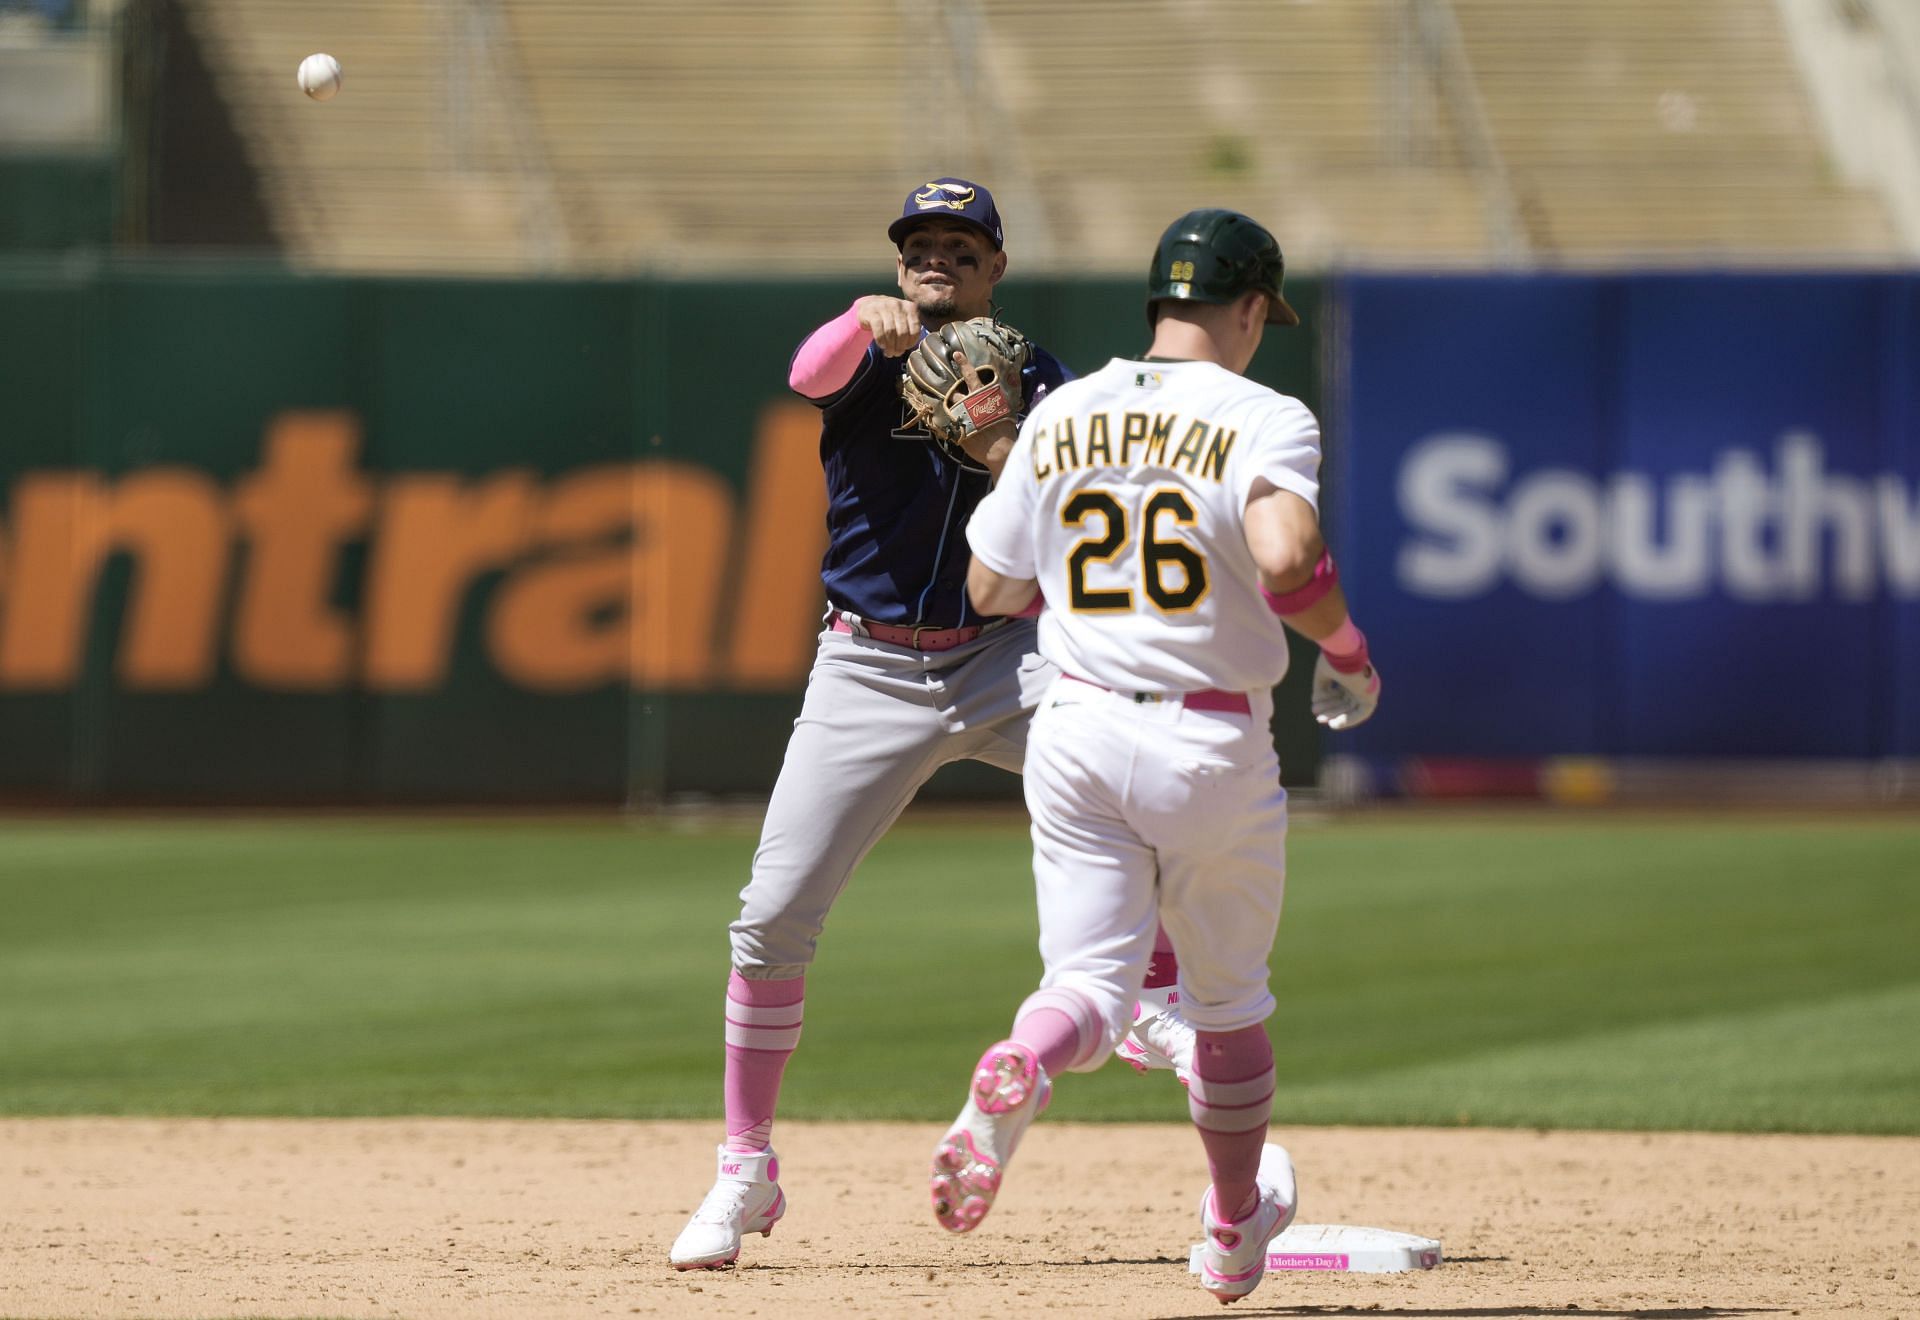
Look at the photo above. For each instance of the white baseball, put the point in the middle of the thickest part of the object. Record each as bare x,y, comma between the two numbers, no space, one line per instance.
320,76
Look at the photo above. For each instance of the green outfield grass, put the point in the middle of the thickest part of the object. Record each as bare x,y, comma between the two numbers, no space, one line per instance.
1582,970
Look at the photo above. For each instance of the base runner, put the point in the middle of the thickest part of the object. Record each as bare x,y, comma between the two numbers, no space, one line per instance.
1166,509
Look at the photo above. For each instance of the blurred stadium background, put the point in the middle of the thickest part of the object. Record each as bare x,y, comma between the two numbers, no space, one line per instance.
430,444
430,447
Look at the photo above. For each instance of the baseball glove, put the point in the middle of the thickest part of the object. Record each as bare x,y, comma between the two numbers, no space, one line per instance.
963,378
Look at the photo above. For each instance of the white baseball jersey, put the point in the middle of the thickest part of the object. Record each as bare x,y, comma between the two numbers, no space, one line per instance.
1124,497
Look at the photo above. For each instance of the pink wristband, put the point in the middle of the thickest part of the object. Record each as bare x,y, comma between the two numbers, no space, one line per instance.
1325,578
1345,648
1031,610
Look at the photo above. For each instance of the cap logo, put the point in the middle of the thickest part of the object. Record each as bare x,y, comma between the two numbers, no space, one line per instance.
951,196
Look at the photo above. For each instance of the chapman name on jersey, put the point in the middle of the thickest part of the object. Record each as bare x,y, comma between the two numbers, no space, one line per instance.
1143,438
1123,497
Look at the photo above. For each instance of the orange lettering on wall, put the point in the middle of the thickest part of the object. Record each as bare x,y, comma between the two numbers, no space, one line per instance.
437,533
629,587
59,539
175,524
779,599
64,527
305,502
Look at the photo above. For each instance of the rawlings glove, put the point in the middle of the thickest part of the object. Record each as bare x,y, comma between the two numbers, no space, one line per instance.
963,378
1342,699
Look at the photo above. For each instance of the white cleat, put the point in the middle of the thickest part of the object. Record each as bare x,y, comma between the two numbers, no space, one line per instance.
746,1198
1159,1040
1009,1089
1233,1256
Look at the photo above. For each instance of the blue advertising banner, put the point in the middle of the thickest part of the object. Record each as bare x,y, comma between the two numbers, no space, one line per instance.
1647,515
1901,528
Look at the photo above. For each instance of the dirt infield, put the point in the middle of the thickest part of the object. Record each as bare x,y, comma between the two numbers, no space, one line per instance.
456,1218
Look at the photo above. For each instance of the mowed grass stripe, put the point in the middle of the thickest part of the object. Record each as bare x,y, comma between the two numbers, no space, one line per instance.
1528,932
1428,966
1770,1069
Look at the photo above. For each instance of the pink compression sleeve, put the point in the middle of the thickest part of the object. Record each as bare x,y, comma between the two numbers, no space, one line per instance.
826,362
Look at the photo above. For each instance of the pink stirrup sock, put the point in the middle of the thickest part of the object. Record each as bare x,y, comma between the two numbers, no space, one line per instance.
1164,970
1062,1026
1052,1035
1231,1099
826,362
1163,974
763,1027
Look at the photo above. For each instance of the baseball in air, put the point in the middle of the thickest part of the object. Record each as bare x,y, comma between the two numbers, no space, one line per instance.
320,76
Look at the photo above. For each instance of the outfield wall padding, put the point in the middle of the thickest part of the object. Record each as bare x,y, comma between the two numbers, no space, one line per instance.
268,537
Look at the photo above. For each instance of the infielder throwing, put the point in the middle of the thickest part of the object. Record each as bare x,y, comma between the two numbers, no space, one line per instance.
908,676
1166,509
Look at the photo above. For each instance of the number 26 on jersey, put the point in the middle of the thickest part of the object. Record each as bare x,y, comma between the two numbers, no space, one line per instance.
1172,573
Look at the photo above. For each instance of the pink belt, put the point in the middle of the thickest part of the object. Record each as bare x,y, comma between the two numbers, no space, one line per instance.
1205,699
918,638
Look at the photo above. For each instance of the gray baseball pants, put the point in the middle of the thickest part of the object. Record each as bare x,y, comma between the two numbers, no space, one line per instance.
878,720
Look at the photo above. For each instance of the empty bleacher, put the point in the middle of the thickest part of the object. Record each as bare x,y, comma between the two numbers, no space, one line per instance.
745,135
1129,114
724,135
1647,131
377,178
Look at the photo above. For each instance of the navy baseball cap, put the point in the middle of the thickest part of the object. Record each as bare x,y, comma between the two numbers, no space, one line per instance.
956,199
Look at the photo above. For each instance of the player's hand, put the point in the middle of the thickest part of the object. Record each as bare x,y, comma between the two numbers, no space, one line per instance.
1341,701
894,323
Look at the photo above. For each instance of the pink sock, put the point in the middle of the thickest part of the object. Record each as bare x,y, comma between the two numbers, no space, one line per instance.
1060,1025
763,1027
1231,1098
1052,1035
1162,987
1164,970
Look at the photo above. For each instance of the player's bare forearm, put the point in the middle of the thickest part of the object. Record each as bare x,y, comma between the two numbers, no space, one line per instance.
990,446
994,593
1283,533
1321,619
1302,587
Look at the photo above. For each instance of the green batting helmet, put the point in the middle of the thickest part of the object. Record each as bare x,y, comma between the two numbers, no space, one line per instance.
1215,256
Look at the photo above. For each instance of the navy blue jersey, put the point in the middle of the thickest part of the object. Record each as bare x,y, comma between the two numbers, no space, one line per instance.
897,504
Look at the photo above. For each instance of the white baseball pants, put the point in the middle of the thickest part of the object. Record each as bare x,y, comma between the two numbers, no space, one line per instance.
877,722
1146,811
